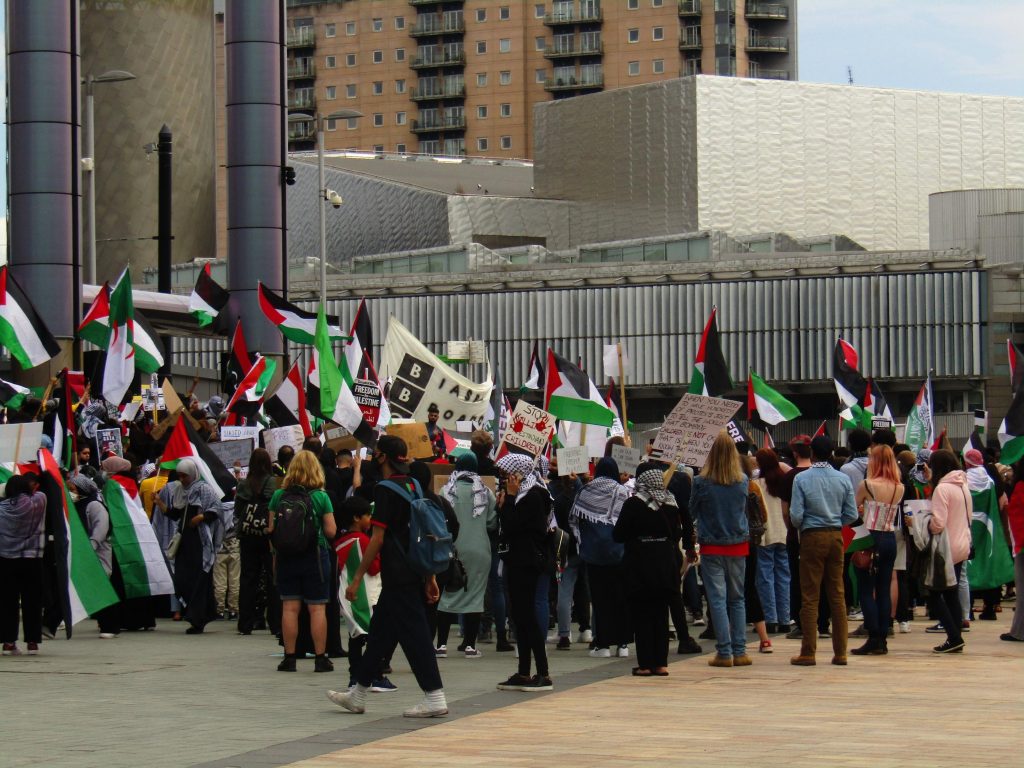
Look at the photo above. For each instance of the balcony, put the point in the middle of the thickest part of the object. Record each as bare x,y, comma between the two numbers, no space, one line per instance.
765,44
573,83
305,131
770,74
562,52
689,40
437,24
424,2
433,94
301,37
767,11
563,18
301,100
726,6
688,8
690,67
448,60
439,125
299,70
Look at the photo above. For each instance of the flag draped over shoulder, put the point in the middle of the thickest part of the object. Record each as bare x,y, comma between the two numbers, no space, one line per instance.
138,553
287,406
710,371
22,330
295,324
770,405
184,443
992,565
208,298
336,402
357,612
570,394
850,385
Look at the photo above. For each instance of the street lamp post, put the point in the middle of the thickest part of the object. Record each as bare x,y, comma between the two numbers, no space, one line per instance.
89,162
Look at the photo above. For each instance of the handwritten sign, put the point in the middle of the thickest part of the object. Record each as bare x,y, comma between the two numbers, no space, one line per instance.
275,439
239,433
477,352
628,459
573,461
529,429
690,430
232,451
458,350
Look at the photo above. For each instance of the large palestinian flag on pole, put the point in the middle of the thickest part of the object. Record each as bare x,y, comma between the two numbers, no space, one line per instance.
770,405
22,330
95,328
248,396
570,395
287,406
336,402
139,555
710,371
359,351
295,324
119,371
1011,431
184,443
850,385
208,299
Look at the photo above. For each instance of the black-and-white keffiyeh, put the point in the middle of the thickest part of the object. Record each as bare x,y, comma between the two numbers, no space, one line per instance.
92,417
481,496
650,489
600,501
522,466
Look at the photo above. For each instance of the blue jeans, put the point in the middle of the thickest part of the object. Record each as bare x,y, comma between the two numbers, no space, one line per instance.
566,590
873,587
773,581
723,581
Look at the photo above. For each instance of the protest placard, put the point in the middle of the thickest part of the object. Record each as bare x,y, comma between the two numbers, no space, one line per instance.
231,451
239,433
628,459
573,461
529,430
20,442
690,430
367,396
477,352
416,439
275,439
108,440
457,351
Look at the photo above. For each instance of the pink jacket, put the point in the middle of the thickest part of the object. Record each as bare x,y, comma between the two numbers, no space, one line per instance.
951,511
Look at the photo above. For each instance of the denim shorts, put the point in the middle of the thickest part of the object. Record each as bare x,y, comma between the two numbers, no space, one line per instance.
306,577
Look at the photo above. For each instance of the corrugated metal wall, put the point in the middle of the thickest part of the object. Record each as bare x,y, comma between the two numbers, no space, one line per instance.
953,217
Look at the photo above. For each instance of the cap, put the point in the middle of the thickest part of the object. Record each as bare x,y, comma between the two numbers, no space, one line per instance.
396,451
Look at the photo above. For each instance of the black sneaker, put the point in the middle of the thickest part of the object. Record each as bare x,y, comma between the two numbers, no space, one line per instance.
504,646
936,629
323,664
515,683
794,634
564,644
538,683
949,647
689,645
287,664
707,634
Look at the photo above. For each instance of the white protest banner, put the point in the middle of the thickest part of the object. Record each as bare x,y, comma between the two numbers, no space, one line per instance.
457,351
573,461
529,429
239,433
19,443
628,459
421,379
367,396
690,430
275,439
107,441
611,360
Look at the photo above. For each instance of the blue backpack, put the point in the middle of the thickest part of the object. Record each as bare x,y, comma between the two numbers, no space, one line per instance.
430,550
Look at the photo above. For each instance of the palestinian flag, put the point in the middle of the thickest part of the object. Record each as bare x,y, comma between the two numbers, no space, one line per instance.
920,427
974,442
534,372
12,395
184,443
850,385
238,361
86,586
992,565
1011,431
119,371
357,612
768,443
770,405
312,387
941,441
856,416
857,539
295,324
249,394
95,328
358,352
287,406
710,371
22,331
208,299
570,394
149,350
821,431
1016,359
139,555
336,402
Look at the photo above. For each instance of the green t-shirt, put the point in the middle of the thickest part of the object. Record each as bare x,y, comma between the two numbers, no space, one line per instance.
321,506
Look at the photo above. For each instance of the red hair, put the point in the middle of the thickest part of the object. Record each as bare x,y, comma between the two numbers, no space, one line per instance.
882,465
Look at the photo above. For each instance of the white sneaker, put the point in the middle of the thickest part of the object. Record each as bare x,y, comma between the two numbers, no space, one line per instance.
904,627
441,652
425,709
586,636
699,621
344,700
623,652
601,653
107,635
472,653
552,637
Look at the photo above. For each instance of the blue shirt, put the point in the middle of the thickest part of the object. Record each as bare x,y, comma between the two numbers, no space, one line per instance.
822,498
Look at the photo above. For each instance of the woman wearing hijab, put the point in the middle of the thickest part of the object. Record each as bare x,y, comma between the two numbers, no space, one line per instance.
96,520
198,513
648,526
593,517
524,506
22,539
475,508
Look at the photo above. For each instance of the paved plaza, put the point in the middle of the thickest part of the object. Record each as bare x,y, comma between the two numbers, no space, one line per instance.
167,699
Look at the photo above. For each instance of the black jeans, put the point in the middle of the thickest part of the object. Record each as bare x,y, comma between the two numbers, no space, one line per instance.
257,565
945,607
650,623
522,593
400,618
21,582
471,627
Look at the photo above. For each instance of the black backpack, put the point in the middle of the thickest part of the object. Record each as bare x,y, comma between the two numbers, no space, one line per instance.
295,527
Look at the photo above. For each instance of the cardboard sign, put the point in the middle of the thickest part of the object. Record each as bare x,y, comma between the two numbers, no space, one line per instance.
628,459
529,429
573,461
367,396
19,443
108,440
415,436
239,433
275,439
232,451
690,430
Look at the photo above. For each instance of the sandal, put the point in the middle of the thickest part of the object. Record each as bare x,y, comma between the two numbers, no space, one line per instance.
765,647
638,672
660,673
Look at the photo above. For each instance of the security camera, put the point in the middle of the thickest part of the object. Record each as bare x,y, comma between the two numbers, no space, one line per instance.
335,199
88,164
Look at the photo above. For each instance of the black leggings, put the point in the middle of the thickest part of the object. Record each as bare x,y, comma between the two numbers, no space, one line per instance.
471,627
650,624
522,592
21,583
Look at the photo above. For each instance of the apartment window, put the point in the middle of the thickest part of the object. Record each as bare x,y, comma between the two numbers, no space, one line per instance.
505,77
658,33
378,87
538,11
400,118
350,28
540,43
505,44
506,142
481,79
400,149
540,75
399,86
481,47
481,145
378,119
350,59
332,92
399,54
378,147
658,66
351,123
632,5
330,30
656,3
399,22
378,57
332,124
332,62
506,110
634,68
633,35
378,25
350,91
504,13
481,14
481,112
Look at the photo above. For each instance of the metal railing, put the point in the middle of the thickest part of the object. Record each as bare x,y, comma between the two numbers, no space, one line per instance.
573,83
689,40
448,123
437,24
300,37
589,49
301,100
770,74
440,60
689,7
767,11
756,42
572,17
447,92
301,131
298,70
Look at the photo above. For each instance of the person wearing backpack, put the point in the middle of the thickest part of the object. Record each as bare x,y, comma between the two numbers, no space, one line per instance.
252,512
400,616
301,525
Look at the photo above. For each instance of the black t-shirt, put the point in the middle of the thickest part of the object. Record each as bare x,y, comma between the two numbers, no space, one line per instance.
391,512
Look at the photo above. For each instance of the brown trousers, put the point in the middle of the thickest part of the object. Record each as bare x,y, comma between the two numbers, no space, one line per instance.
821,558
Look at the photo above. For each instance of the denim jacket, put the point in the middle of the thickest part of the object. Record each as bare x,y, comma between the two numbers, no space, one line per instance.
720,511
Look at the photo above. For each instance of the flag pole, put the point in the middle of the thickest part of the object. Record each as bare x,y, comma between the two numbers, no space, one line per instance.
42,405
622,394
